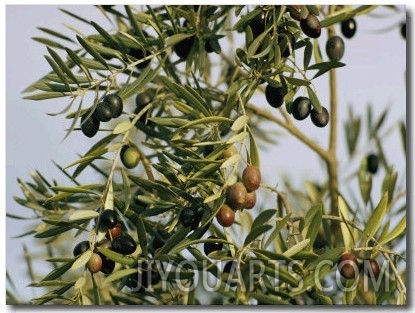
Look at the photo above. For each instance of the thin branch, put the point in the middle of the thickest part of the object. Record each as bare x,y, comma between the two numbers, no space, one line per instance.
292,129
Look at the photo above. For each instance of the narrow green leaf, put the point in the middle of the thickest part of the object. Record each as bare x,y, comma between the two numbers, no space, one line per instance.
92,51
297,248
135,87
317,52
122,127
82,260
239,123
308,52
83,215
296,81
55,34
120,274
313,222
365,181
173,241
208,120
396,232
263,218
48,42
330,66
64,67
57,70
116,257
253,47
314,100
375,219
253,151
59,271
176,38
142,235
45,96
255,233
344,214
279,225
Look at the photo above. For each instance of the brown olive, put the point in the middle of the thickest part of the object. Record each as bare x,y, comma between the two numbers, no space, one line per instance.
236,196
95,263
250,200
225,216
251,178
347,266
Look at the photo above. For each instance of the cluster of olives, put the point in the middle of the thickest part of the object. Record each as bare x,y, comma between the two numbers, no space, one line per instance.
240,195
301,107
349,267
110,107
114,240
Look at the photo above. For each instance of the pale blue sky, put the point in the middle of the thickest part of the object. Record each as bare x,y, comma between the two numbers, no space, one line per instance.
374,73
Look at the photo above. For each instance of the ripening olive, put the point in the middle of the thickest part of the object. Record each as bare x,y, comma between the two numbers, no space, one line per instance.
95,263
225,216
250,200
311,26
236,196
347,266
370,268
251,178
114,232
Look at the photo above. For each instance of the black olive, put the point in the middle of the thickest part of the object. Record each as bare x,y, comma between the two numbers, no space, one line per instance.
124,245
108,218
81,248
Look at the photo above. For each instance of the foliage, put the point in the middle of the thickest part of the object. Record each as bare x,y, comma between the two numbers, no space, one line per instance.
283,254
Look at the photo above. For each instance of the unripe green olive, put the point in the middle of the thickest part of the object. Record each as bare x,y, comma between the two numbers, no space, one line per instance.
229,152
130,157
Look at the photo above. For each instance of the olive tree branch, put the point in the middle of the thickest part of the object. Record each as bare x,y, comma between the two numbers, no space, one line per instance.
292,129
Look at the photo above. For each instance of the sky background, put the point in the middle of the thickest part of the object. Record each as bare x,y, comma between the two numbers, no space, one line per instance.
375,73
